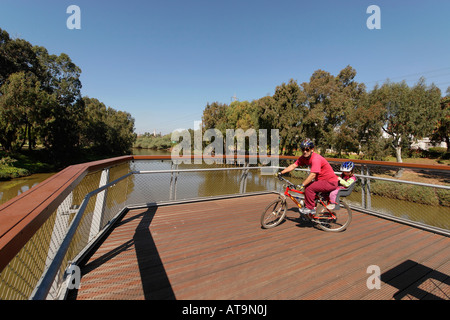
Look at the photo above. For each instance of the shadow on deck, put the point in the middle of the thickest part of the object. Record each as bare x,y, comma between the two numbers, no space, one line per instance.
217,250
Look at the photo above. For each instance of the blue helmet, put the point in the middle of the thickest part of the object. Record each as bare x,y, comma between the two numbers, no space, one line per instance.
347,166
307,143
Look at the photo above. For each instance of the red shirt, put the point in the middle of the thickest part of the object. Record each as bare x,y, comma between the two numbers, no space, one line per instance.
318,165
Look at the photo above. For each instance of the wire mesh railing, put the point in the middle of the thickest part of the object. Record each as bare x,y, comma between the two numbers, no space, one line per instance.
42,267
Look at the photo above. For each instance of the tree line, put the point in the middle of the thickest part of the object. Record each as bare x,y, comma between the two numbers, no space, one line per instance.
41,105
340,115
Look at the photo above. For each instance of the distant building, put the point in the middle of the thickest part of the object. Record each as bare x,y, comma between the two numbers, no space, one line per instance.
426,144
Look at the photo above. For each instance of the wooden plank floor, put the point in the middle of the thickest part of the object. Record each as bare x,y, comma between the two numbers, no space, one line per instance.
217,250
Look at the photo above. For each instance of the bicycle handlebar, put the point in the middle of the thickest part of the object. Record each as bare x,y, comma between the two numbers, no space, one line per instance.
287,181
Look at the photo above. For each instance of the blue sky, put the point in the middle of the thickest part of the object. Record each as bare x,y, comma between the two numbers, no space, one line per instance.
163,61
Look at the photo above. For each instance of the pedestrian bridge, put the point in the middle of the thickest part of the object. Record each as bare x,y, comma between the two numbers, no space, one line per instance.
142,227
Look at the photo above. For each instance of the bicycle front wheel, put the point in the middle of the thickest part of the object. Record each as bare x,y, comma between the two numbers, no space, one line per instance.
336,221
273,214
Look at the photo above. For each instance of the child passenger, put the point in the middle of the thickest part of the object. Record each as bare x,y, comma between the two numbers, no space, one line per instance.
345,180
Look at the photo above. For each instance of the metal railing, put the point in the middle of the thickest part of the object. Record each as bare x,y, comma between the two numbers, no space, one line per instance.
101,193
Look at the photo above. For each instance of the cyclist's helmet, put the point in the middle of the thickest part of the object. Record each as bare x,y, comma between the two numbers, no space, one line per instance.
347,166
307,143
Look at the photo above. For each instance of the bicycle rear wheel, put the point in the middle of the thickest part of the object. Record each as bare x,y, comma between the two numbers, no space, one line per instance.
273,214
336,221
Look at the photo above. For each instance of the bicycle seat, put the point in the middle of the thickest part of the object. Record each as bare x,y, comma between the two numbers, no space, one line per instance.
345,192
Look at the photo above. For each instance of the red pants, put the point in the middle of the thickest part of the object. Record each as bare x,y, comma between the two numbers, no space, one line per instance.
318,186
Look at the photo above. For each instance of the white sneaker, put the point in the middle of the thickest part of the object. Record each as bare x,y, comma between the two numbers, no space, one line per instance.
331,206
308,211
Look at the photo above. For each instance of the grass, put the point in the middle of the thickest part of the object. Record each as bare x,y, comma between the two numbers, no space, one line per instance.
8,172
411,193
430,161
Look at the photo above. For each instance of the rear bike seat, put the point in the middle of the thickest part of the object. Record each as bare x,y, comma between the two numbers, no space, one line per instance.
345,192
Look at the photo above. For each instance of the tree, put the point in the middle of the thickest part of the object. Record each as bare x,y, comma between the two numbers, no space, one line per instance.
120,134
409,113
286,114
215,116
442,129
40,101
22,110
367,120
267,117
61,79
93,126
241,115
105,130
16,55
330,100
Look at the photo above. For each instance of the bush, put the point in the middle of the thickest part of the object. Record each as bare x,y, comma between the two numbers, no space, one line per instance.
445,156
444,197
152,142
407,192
7,161
8,172
436,152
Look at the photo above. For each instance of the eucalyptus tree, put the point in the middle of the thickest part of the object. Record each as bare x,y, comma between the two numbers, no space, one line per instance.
408,113
286,114
61,79
330,101
215,116
22,109
16,55
105,130
442,129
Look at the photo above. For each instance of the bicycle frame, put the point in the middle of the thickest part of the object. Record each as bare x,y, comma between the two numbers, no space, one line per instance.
290,187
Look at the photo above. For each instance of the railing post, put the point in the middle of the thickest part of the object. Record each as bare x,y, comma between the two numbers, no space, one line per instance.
368,195
243,183
100,204
60,227
363,188
173,181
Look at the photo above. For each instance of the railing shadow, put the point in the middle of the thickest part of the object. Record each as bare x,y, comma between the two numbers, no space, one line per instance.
155,283
415,280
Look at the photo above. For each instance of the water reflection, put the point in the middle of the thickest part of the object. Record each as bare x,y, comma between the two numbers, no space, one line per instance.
12,188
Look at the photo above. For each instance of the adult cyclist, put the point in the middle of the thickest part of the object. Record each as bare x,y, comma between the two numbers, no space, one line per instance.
321,178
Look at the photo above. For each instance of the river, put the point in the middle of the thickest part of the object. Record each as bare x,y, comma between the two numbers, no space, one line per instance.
434,215
12,188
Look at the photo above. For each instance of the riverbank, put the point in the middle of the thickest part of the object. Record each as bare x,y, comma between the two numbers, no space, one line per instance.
18,165
28,162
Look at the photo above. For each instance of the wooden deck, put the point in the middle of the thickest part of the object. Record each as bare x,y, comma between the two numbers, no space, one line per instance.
217,250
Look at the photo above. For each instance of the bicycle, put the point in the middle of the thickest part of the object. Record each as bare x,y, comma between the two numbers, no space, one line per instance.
328,220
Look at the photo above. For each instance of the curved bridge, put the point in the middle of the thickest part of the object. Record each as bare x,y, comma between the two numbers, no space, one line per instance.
142,227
